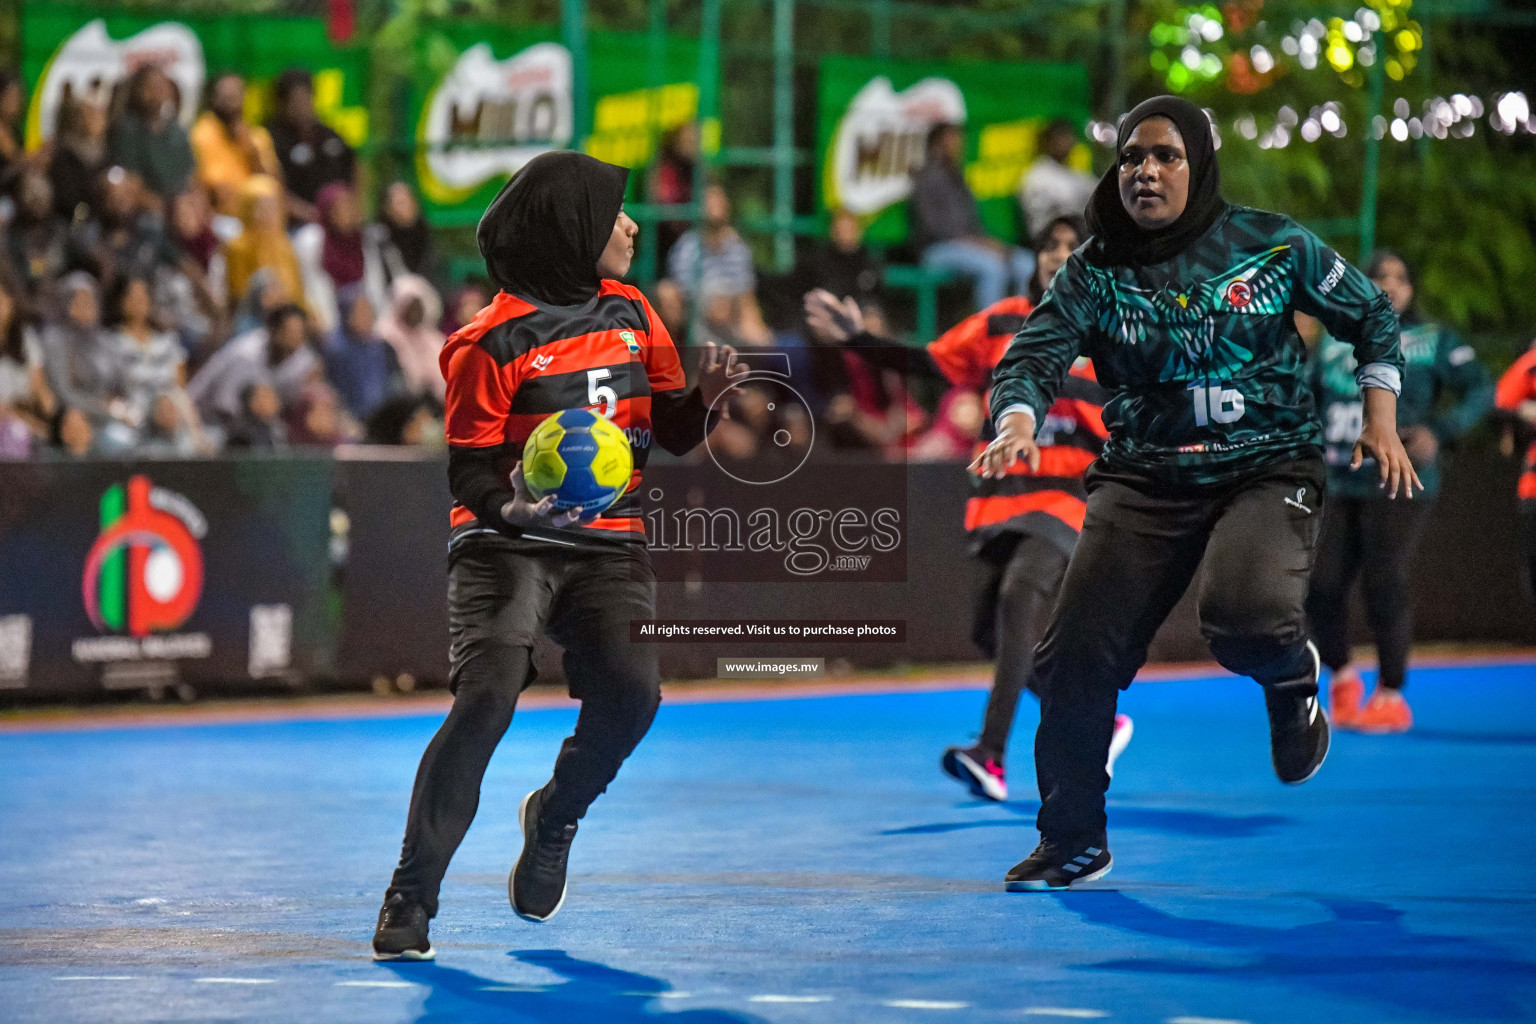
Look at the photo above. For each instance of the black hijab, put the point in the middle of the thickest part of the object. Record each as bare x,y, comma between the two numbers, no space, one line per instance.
543,233
1119,240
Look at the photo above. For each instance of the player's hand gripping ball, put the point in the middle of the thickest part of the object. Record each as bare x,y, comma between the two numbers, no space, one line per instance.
581,458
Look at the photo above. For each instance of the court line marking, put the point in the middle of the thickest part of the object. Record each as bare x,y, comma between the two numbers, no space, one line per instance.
925,1004
235,981
1205,1020
1065,1011
513,988
788,999
97,977
659,995
376,984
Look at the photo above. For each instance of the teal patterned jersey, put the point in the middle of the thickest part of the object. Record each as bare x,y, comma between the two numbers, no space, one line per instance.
1200,354
1445,389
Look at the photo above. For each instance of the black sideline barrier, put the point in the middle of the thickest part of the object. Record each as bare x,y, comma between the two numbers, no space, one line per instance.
314,569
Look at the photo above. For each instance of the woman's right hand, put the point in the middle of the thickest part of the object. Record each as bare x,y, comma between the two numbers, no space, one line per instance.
525,511
1015,437
831,321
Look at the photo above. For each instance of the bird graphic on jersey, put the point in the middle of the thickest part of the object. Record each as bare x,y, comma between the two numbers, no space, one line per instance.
1258,285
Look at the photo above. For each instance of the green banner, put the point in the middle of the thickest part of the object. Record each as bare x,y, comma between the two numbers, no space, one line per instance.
873,118
504,96
90,52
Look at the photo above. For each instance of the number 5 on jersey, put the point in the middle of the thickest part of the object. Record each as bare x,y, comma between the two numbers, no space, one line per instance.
601,394
1216,403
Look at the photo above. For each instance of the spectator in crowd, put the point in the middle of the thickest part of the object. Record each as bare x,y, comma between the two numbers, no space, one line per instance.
333,255
361,365
671,182
148,139
314,417
79,157
946,224
13,155
265,293
467,302
258,422
82,369
714,268
25,398
277,354
38,239
402,238
228,149
410,327
311,154
843,265
1051,187
194,298
406,420
150,370
263,244
126,238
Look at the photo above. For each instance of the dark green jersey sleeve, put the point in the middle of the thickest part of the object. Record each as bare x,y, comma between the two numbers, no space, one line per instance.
1040,355
1347,303
1468,382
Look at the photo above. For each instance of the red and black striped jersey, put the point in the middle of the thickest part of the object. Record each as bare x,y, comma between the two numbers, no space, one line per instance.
1516,387
1050,502
517,363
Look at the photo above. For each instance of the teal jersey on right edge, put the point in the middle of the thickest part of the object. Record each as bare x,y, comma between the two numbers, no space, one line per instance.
1438,364
1200,354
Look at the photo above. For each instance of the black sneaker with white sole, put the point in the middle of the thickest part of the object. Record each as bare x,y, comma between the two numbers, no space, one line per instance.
402,931
1298,732
537,883
1056,866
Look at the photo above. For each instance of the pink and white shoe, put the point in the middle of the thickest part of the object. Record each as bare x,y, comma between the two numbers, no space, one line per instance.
978,769
1119,741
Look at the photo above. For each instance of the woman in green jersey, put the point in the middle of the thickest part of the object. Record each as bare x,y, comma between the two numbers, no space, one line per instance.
1213,464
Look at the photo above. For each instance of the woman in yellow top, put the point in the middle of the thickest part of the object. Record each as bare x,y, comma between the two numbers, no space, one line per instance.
264,242
228,150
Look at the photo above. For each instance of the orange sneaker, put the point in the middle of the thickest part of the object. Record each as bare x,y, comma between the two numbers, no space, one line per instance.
1385,712
1345,692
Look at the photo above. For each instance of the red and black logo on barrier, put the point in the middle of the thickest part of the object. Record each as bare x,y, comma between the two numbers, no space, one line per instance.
144,573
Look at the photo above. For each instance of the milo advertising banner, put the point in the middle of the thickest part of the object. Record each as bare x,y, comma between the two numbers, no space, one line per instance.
873,120
508,96
90,52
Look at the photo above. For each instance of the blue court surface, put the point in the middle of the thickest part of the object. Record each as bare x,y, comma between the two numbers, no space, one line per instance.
787,860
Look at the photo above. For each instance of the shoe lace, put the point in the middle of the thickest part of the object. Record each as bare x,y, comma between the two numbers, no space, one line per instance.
397,913
552,848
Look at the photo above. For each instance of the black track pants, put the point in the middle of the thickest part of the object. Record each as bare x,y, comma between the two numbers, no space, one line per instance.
1140,548
1013,611
500,595
1376,538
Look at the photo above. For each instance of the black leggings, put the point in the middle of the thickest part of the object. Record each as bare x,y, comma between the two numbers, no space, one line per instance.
1012,613
1140,548
1374,537
499,596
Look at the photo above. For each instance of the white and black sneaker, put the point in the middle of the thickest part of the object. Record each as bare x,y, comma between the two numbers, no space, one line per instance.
402,931
536,884
1298,731
1056,866
978,769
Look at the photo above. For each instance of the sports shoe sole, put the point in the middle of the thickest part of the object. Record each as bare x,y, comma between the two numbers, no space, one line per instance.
409,954
978,779
1118,741
1041,886
522,823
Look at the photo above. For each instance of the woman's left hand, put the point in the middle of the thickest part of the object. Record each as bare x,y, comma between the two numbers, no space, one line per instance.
1378,438
716,374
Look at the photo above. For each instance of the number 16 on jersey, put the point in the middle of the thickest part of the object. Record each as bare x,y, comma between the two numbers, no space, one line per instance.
1216,404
